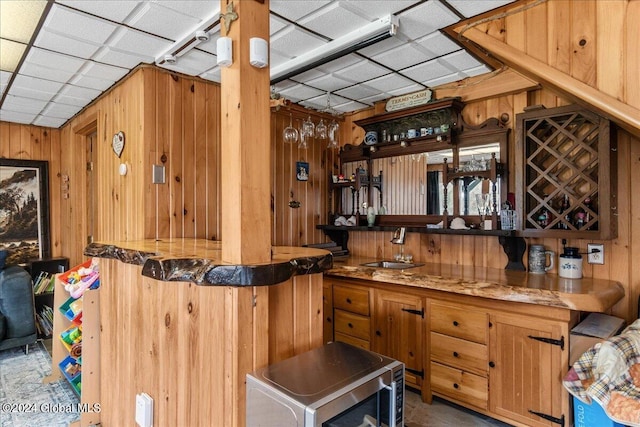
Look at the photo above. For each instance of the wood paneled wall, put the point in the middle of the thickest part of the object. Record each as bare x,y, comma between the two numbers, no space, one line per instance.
297,225
38,143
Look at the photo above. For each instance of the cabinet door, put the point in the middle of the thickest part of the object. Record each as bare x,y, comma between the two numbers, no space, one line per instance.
527,361
399,320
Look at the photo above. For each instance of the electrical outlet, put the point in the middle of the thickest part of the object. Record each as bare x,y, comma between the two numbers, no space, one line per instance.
144,410
595,253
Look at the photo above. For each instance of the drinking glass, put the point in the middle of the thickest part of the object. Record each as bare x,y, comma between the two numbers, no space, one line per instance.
308,128
332,132
290,134
321,130
482,201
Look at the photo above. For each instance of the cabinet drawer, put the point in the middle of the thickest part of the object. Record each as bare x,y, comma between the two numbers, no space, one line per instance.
353,341
459,322
354,300
466,355
459,385
352,324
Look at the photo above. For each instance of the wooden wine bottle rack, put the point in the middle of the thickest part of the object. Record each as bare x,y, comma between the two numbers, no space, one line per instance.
567,178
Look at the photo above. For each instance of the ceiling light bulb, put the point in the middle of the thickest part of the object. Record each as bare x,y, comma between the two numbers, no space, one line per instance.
170,59
202,36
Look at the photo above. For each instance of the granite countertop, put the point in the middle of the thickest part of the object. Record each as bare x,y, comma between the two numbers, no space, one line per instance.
586,294
199,261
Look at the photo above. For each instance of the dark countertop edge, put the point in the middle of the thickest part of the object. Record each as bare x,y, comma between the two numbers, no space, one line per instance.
204,272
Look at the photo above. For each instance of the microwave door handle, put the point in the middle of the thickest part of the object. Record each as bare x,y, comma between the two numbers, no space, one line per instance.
392,402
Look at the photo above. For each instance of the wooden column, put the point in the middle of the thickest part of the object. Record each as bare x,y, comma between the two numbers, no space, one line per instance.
245,159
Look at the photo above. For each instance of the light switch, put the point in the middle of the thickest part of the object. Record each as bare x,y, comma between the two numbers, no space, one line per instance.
144,410
158,174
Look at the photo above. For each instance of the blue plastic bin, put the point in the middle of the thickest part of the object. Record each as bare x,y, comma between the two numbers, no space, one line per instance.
591,415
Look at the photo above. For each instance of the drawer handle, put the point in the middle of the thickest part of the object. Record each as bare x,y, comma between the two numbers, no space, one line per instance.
455,323
455,354
456,386
350,325
348,300
492,365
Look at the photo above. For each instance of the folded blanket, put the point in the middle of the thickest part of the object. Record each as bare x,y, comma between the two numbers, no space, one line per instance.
609,373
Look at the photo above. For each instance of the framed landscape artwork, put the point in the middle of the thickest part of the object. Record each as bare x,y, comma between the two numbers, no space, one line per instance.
24,209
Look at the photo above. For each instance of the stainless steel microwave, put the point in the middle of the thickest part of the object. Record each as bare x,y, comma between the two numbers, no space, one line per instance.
336,385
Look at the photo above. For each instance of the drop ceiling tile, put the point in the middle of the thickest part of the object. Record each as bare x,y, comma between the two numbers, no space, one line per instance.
472,8
121,59
192,63
443,80
115,10
78,25
83,80
425,19
374,98
4,77
350,106
27,92
67,45
35,84
406,89
70,100
51,122
156,19
358,92
103,71
476,71
340,63
276,58
77,92
401,57
377,9
383,46
213,74
362,71
296,9
300,92
293,42
60,111
334,20
209,46
389,82
428,71
328,83
276,23
23,105
56,61
438,44
285,84
12,116
40,72
195,8
137,43
460,60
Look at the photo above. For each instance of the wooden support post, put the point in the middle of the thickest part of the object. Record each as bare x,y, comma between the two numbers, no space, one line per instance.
246,136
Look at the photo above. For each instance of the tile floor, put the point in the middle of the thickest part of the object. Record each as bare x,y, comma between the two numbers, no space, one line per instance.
442,414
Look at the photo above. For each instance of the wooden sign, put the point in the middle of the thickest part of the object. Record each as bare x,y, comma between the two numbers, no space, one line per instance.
408,100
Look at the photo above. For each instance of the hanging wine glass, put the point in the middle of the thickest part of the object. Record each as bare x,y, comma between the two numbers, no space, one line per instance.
290,134
332,132
321,130
308,128
303,141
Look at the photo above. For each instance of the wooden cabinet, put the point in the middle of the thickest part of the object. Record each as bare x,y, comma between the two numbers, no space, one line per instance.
327,307
458,353
528,357
352,314
566,174
399,330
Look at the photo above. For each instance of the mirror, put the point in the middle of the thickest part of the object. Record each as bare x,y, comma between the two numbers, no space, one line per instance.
412,183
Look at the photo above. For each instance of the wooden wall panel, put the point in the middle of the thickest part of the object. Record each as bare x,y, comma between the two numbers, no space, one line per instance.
26,142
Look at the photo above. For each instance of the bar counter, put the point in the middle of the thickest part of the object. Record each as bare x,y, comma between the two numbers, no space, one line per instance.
199,261
586,294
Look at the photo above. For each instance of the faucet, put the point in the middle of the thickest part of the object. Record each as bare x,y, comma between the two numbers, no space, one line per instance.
398,239
398,236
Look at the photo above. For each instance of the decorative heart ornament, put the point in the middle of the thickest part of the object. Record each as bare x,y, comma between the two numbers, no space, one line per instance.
118,143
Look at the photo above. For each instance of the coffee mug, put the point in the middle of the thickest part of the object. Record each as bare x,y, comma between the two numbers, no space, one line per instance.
371,137
538,259
423,132
570,264
411,133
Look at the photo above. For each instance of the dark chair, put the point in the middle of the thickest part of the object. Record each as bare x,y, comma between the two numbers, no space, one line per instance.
17,313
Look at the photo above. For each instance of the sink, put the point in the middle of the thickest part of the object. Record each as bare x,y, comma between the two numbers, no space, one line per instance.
391,264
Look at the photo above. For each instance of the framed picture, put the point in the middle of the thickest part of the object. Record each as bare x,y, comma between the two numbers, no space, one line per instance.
24,209
302,171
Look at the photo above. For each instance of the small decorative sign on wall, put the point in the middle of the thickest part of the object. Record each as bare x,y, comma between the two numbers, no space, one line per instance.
302,171
118,143
408,100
